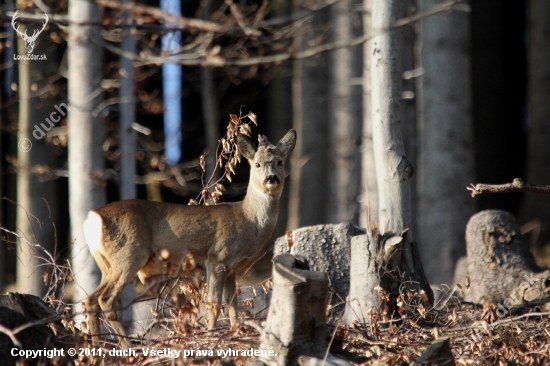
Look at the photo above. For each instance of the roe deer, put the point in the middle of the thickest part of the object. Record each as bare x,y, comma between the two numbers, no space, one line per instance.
132,238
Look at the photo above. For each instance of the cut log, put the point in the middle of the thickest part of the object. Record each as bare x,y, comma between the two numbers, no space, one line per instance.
498,261
326,248
295,330
363,279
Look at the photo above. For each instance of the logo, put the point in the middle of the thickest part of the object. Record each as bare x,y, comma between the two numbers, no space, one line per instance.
29,40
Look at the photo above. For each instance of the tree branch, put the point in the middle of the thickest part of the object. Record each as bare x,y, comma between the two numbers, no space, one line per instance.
517,185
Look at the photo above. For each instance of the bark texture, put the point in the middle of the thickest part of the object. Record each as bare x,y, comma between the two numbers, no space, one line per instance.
86,166
369,197
498,261
396,249
326,248
446,162
363,279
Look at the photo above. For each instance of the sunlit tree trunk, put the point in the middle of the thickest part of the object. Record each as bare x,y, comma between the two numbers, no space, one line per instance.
34,196
86,165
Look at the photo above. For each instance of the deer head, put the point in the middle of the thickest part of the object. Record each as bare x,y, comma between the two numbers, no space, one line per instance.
267,161
29,41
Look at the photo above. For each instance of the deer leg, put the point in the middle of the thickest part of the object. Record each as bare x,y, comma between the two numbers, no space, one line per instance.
231,298
93,309
216,274
111,305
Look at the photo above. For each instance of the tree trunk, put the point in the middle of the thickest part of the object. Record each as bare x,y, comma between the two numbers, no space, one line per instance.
369,197
210,107
393,170
345,130
127,137
446,148
363,279
86,166
393,238
310,86
35,196
538,155
127,187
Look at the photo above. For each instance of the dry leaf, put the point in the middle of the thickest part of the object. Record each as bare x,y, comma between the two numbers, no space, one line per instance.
289,239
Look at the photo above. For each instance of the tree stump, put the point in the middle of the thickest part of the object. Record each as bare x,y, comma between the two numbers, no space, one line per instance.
363,279
498,261
326,248
296,328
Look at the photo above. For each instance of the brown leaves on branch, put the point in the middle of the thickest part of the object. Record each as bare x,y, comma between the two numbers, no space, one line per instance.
226,159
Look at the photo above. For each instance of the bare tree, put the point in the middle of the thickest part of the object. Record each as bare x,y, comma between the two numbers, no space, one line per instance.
345,126
36,198
310,86
391,246
446,148
369,198
538,155
86,165
127,136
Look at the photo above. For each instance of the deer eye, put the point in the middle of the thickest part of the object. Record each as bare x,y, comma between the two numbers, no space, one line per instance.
280,163
257,165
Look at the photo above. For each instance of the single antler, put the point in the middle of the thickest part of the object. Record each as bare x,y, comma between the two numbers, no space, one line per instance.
36,32
15,16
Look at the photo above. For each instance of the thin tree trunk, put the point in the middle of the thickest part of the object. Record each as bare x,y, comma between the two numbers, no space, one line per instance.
396,249
393,170
127,187
86,165
310,86
446,153
34,197
345,136
209,107
369,198
127,137
538,155
408,100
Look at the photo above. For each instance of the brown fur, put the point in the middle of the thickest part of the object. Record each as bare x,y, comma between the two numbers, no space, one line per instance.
152,240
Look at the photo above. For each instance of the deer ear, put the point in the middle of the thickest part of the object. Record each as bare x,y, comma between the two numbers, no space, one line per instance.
246,146
287,143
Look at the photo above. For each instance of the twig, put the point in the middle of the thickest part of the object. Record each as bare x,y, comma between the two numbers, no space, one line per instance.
218,61
11,334
517,185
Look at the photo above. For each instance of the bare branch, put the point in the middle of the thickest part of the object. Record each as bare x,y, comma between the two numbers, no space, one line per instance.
517,185
215,59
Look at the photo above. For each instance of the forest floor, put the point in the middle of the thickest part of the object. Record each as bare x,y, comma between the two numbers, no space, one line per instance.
478,335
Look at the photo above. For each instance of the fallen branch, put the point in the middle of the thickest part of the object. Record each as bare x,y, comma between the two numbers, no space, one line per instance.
517,185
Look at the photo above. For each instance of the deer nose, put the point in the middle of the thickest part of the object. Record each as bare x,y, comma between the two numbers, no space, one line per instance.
272,179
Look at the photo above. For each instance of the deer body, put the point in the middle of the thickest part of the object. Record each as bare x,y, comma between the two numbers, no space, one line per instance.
136,238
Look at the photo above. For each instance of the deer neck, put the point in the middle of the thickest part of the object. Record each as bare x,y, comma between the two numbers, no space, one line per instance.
261,208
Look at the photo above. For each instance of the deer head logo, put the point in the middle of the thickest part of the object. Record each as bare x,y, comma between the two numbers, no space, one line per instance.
29,41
